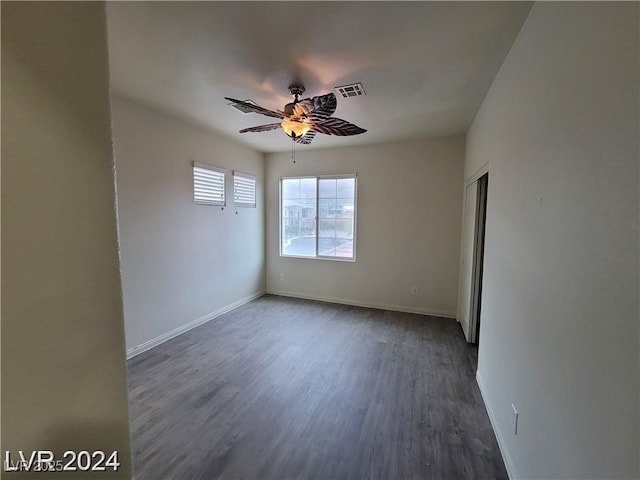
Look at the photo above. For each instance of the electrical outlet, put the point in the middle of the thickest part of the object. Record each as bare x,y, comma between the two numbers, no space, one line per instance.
283,276
514,419
414,290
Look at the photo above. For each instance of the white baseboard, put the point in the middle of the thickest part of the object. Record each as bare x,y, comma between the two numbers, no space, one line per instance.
381,306
506,458
143,347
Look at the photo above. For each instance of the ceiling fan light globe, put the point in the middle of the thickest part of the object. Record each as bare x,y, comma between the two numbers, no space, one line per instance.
293,128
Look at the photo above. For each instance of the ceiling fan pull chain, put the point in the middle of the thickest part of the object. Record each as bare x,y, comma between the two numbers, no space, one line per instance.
293,147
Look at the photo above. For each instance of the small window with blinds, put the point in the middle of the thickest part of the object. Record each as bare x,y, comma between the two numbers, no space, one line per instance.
244,190
208,185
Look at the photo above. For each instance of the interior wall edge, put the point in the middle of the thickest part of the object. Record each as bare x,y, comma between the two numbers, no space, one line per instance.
504,451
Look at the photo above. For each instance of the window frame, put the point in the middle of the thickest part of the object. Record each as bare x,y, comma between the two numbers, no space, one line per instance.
316,219
210,168
244,176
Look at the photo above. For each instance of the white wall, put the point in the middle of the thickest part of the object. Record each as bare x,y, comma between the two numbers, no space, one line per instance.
181,263
63,350
408,226
559,328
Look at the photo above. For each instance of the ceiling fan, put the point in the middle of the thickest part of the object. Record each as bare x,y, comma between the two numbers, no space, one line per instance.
302,119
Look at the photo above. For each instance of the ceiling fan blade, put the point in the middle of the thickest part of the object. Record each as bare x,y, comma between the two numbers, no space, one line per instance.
262,128
317,109
256,108
306,138
337,126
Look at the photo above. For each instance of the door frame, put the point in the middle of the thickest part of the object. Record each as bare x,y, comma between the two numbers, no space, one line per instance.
467,296
478,258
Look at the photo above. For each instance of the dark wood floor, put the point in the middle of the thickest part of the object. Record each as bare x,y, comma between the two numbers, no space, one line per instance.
285,388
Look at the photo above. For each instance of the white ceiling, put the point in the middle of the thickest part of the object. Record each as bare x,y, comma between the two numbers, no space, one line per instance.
425,66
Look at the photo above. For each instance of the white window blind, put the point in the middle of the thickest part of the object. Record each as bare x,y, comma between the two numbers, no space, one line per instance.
244,190
208,185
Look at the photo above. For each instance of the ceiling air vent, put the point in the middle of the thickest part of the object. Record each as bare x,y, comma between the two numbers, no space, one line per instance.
241,107
352,90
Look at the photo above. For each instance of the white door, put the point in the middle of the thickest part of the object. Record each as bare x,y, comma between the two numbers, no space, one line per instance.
466,267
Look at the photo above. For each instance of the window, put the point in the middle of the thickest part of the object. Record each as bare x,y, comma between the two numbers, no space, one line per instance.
244,190
317,217
208,185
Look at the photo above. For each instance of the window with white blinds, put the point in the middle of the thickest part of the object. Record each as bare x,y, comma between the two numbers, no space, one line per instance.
208,185
244,190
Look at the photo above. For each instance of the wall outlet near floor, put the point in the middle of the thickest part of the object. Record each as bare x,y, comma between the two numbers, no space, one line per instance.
514,419
283,276
414,290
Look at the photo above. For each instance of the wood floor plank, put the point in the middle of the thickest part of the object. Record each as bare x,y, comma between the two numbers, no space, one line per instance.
285,388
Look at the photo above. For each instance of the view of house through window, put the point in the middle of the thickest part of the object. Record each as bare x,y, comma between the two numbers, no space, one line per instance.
318,217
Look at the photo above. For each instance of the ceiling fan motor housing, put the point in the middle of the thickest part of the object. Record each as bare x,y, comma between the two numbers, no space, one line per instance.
296,90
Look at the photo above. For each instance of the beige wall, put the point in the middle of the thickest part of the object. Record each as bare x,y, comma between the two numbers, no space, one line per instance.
408,226
63,349
182,264
559,330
